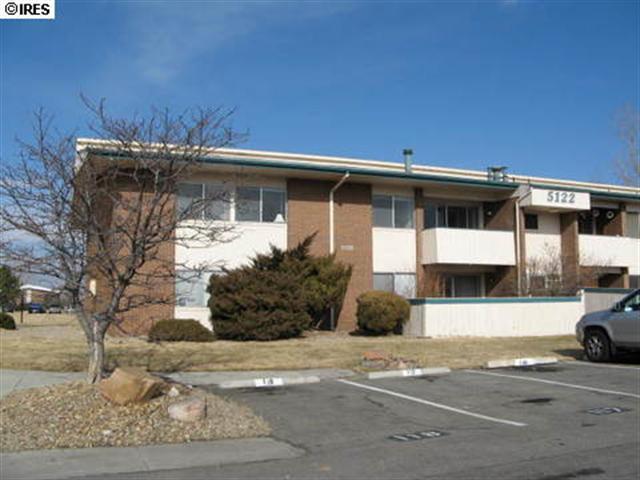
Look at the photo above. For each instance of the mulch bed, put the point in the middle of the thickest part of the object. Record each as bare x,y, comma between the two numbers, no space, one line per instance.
75,415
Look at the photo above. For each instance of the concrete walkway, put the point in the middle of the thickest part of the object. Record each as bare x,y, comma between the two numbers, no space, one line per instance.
58,464
11,380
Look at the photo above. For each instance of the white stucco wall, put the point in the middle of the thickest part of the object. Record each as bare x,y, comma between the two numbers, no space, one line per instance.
606,251
394,250
485,318
242,242
538,243
468,247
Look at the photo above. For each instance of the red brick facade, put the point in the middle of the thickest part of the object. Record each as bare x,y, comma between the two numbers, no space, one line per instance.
154,281
308,212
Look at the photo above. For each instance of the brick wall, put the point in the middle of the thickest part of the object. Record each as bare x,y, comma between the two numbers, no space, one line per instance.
615,226
570,252
308,212
501,216
153,282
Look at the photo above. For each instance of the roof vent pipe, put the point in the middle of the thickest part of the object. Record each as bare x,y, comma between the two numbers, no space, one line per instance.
497,174
408,159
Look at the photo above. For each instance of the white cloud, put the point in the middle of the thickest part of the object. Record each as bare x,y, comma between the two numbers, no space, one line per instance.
166,37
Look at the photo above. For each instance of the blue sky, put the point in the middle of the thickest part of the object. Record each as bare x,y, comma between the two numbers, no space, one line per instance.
529,84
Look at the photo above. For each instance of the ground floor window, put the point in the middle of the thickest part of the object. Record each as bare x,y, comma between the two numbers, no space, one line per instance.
403,284
634,281
463,286
191,288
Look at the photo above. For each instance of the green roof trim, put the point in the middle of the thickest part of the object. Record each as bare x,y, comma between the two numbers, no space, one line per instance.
595,193
341,170
460,301
278,164
607,290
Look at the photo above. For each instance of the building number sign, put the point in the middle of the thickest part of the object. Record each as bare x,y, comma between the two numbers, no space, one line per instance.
554,196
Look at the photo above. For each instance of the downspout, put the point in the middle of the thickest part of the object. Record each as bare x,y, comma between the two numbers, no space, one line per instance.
332,241
518,260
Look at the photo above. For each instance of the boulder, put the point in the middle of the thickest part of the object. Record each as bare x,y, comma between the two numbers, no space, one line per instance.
190,410
130,385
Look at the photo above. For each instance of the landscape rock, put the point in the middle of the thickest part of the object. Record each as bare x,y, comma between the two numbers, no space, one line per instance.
173,392
375,356
190,410
130,385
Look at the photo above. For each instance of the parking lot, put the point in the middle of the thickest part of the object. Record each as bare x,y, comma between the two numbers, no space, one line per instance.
562,421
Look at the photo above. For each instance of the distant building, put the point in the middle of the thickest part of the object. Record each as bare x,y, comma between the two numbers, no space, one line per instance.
35,293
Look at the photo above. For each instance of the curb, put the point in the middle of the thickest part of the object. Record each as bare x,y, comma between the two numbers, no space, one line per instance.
521,362
68,463
409,372
268,382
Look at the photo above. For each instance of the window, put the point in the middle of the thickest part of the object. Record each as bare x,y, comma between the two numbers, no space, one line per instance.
248,204
530,221
188,195
632,303
216,205
403,212
258,204
462,286
203,202
403,284
382,211
392,212
273,205
383,281
451,216
634,281
191,288
633,224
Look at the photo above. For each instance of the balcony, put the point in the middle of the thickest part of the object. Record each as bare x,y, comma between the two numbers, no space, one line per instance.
468,247
608,251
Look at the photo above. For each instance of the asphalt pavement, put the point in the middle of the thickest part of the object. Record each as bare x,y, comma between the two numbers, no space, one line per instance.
555,422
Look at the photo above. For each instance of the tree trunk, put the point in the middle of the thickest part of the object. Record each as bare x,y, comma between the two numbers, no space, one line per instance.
96,353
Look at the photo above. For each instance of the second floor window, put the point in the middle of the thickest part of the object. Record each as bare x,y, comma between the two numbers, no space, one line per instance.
197,201
259,204
451,216
392,212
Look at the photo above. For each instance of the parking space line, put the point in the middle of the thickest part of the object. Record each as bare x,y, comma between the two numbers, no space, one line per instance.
552,382
600,365
433,404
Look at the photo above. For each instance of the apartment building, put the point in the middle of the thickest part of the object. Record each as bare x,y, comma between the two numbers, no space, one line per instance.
413,229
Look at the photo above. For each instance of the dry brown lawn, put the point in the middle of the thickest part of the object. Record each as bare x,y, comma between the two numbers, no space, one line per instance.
56,343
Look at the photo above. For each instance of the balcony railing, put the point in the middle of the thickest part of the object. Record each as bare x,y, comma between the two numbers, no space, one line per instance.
468,247
607,251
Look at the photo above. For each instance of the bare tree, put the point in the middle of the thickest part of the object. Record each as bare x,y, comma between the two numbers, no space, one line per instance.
627,165
544,274
102,215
